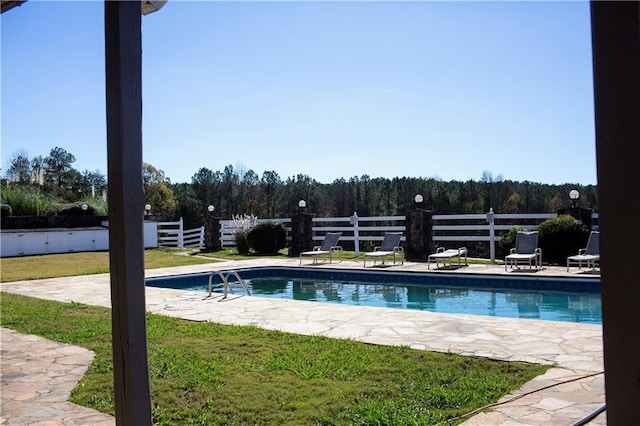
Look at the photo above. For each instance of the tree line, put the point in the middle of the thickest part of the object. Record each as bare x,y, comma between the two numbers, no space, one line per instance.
238,190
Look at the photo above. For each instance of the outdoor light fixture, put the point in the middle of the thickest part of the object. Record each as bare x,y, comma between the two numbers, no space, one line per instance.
301,205
210,208
574,195
418,198
147,208
150,6
84,207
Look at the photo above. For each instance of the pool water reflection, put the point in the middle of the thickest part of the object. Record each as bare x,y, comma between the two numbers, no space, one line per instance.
487,297
556,306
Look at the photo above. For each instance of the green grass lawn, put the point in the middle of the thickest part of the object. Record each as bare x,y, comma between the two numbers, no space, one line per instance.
211,374
85,263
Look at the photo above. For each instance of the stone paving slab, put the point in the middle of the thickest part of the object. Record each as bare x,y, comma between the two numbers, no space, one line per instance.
37,377
574,349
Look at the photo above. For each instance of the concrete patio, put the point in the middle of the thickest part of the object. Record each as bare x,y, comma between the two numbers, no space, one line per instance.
32,368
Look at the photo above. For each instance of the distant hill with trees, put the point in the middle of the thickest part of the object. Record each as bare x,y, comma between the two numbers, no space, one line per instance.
36,186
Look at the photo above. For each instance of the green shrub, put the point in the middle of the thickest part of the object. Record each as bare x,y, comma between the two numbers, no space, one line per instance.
75,210
27,200
561,237
242,244
267,238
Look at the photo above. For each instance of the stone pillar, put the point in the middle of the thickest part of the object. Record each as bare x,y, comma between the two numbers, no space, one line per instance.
301,234
419,234
212,233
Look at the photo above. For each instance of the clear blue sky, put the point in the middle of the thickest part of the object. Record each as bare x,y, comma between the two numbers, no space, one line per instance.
327,89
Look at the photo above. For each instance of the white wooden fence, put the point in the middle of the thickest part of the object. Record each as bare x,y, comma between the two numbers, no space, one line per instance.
353,228
446,229
173,234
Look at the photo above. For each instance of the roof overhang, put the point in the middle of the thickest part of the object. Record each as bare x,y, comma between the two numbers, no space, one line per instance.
10,4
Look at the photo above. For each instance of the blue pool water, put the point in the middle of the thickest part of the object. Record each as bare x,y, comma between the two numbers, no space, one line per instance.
556,299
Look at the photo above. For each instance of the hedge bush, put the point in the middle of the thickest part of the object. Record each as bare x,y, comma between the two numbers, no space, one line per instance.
561,237
242,244
267,238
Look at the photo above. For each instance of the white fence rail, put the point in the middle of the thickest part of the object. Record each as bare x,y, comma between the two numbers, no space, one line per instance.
173,234
355,229
446,229
358,229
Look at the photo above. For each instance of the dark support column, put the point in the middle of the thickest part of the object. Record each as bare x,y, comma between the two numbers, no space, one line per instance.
301,234
123,50
419,234
615,30
212,233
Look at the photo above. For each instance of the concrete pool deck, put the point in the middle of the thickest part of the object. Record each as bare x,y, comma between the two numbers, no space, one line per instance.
569,391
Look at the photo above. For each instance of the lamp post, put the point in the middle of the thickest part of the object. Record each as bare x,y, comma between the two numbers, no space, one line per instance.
573,196
419,234
301,230
147,210
212,230
84,207
583,215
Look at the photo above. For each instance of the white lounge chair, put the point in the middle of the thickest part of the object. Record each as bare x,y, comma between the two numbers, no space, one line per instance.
589,255
390,246
329,245
443,255
525,251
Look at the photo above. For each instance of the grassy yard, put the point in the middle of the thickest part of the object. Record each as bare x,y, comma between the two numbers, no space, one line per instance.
210,374
86,263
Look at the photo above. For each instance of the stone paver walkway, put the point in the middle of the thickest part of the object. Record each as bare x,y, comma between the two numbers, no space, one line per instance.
570,390
37,378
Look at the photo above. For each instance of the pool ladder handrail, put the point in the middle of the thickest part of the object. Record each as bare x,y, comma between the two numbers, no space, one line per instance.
225,282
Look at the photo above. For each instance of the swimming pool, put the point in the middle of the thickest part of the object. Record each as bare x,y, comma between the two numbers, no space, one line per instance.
546,298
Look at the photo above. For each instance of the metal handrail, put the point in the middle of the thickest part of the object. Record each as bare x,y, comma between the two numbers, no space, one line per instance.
225,282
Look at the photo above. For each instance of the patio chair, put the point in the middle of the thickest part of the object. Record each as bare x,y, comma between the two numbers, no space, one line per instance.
443,255
390,246
525,251
588,255
328,246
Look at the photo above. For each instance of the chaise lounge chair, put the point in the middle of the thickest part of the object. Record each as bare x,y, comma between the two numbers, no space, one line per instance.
589,255
526,250
390,246
443,255
329,245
